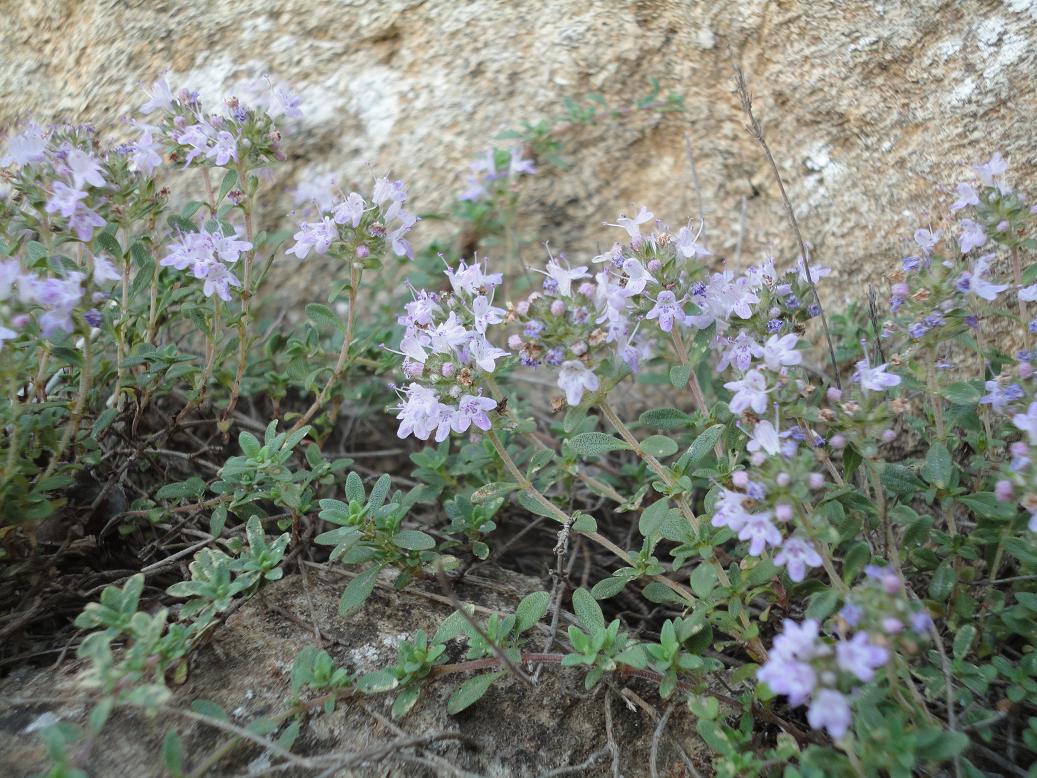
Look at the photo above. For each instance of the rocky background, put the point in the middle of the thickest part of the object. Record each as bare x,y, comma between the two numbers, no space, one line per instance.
866,104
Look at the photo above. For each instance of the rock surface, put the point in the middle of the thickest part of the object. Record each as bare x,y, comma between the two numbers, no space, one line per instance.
513,731
868,105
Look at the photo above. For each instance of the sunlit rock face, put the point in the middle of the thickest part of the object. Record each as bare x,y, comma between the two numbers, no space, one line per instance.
867,105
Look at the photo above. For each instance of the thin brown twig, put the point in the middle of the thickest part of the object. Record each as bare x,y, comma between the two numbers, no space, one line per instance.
755,131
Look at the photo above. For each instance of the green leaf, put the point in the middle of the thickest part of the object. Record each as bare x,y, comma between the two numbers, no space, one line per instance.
230,180
323,316
963,641
192,487
249,444
173,753
359,589
653,517
492,491
589,444
608,587
587,610
962,393
680,375
413,540
355,488
659,446
705,442
531,610
901,480
405,700
471,691
943,581
985,505
939,466
822,604
665,419
703,580
210,709
377,682
103,422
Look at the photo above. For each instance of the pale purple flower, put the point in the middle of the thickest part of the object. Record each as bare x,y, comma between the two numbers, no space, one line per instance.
764,439
420,310
472,279
991,169
314,236
419,413
637,276
875,379
633,226
471,409
667,310
447,335
972,236
413,346
1028,293
978,283
781,351
966,196
401,246
518,166
760,532
218,280
196,136
797,555
688,245
795,679
927,239
860,656
59,296
830,710
740,352
485,314
227,247
159,98
749,392
1000,397
817,272
6,334
287,103
350,210
223,149
84,221
85,168
64,199
564,276
729,511
1027,422
484,353
145,156
26,147
574,378
104,270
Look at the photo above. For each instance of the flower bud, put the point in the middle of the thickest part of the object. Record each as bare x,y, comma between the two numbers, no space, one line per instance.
654,265
557,308
815,480
522,308
833,394
1004,490
901,289
888,436
362,252
514,342
579,348
783,479
1025,370
783,512
448,370
586,289
838,441
740,478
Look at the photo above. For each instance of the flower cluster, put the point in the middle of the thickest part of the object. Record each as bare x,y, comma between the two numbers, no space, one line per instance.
496,167
446,354
360,229
942,285
809,669
207,255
